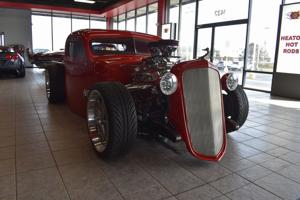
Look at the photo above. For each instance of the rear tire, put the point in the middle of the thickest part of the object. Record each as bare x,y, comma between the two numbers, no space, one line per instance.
21,72
236,105
55,83
111,119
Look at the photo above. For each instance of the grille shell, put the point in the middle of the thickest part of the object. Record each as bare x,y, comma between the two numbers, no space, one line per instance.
204,112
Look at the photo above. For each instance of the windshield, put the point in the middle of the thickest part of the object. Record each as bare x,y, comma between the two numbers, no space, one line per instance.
112,46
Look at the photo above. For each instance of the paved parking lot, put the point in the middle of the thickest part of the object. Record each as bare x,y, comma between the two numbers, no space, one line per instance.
45,154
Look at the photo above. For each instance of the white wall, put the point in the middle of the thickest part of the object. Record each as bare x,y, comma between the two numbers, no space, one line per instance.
16,25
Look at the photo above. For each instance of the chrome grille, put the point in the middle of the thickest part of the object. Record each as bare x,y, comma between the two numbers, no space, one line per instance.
203,103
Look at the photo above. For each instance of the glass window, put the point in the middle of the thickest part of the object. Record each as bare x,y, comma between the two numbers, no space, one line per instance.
141,24
41,33
122,25
98,24
186,40
204,41
130,25
258,81
212,11
141,11
229,47
174,14
76,50
152,19
61,30
130,21
78,24
115,23
141,20
263,33
112,46
291,1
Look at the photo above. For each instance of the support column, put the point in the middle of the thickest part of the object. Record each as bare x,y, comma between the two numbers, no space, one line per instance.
109,23
161,15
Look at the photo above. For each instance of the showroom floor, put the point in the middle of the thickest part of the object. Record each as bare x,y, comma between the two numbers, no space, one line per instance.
45,154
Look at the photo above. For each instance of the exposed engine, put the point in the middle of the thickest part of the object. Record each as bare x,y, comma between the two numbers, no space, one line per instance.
160,62
151,101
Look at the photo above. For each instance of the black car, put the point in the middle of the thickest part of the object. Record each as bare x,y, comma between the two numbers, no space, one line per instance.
11,61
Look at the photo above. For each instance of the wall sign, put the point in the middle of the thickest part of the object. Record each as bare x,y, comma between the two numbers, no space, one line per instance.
169,31
212,11
288,58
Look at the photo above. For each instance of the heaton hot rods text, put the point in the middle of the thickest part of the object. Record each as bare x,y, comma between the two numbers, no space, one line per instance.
125,82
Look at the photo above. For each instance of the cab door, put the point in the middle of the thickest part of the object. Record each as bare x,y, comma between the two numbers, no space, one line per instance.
77,68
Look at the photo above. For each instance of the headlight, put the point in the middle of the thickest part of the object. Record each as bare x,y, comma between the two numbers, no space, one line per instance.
232,81
168,83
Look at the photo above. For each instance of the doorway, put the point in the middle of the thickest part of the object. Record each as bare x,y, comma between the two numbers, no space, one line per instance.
227,44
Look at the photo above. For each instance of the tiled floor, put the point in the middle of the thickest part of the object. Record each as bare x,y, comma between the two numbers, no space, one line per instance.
45,154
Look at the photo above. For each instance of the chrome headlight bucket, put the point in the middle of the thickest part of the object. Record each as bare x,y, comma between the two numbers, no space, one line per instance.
168,83
232,81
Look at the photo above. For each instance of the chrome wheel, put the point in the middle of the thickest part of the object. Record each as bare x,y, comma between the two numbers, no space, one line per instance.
97,120
47,81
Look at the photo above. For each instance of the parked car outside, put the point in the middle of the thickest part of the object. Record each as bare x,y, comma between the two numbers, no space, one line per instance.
235,66
11,61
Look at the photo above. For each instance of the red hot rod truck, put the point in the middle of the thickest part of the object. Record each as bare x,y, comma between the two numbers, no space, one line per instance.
124,82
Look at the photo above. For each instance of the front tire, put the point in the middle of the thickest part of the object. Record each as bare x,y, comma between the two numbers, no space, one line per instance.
111,119
236,105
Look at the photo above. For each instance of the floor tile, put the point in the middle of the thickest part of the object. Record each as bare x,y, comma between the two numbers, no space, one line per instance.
280,186
237,165
253,132
251,192
260,144
74,155
239,137
223,197
140,185
275,164
31,149
292,157
259,158
6,141
278,151
30,138
34,162
87,181
7,167
254,173
205,192
7,187
7,152
229,183
291,172
173,177
43,184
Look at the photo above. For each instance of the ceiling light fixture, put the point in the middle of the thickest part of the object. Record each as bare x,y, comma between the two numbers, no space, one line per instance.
85,1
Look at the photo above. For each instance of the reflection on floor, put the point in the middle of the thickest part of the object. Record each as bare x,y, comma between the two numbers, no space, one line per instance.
45,154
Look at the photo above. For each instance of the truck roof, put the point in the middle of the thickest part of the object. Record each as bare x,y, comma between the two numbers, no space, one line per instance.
92,33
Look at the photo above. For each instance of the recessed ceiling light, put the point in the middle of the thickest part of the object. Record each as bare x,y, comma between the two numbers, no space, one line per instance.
85,1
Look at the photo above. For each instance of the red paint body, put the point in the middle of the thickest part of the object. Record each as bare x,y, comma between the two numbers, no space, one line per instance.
81,75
